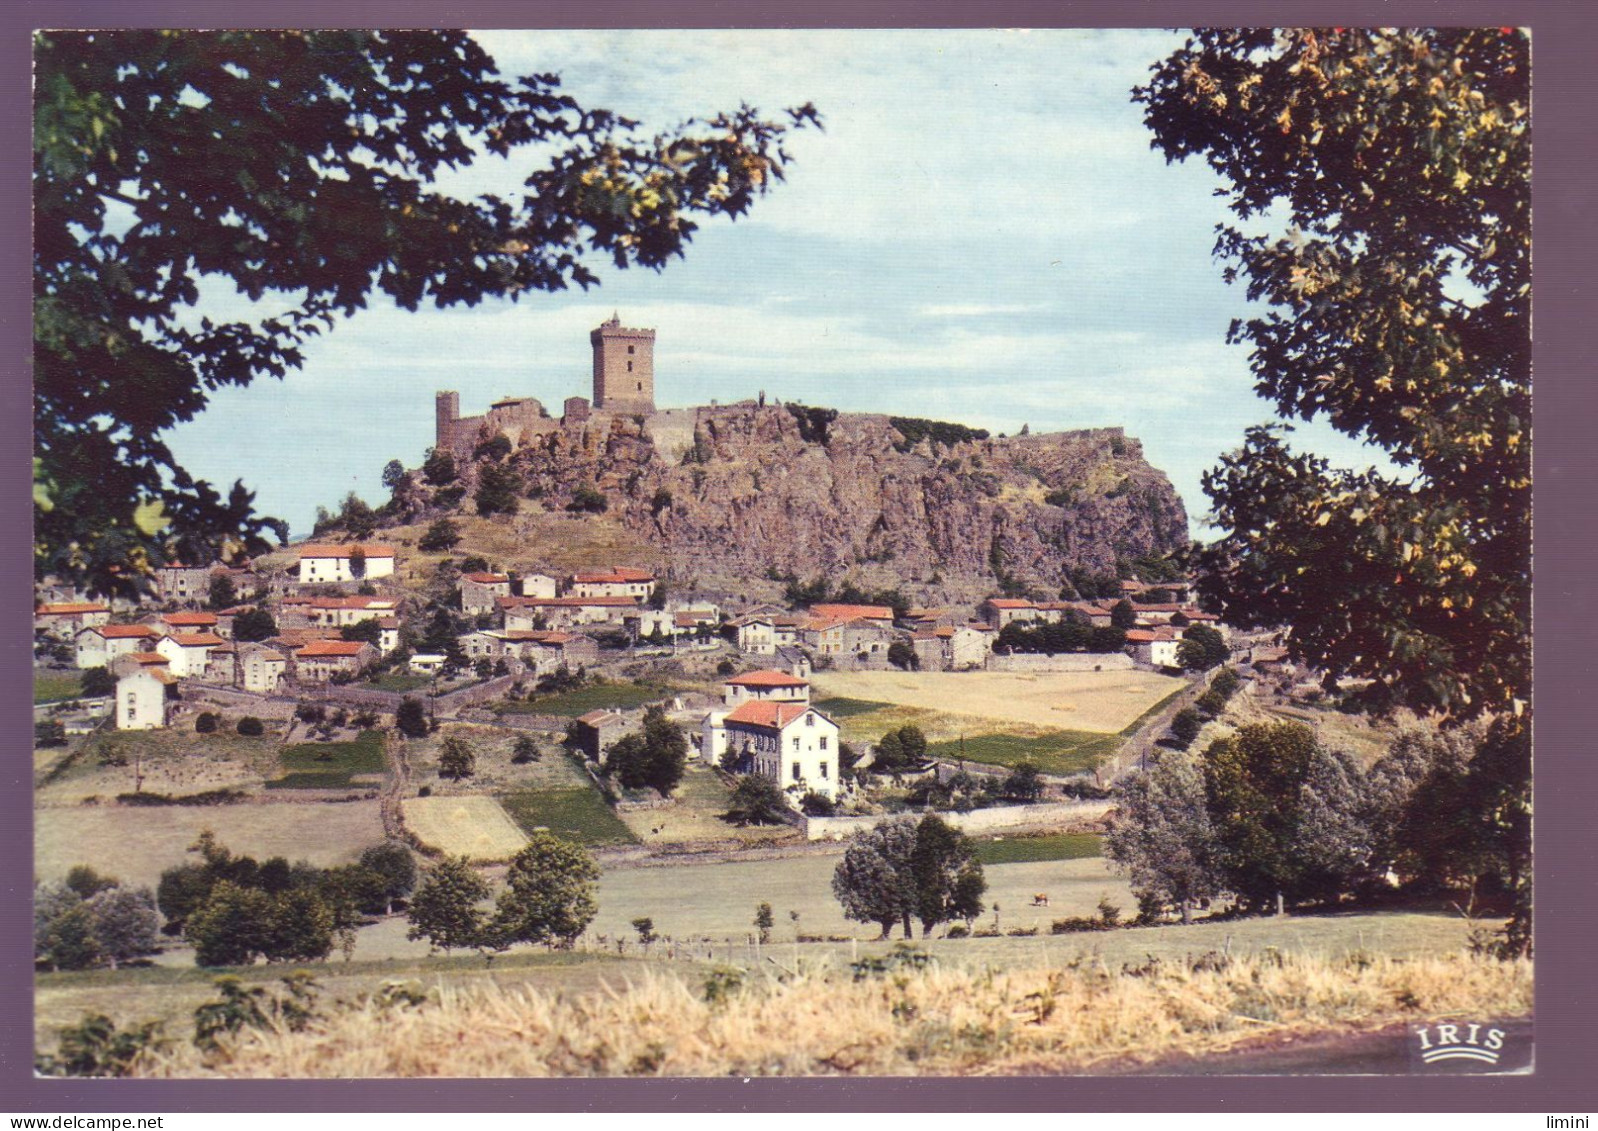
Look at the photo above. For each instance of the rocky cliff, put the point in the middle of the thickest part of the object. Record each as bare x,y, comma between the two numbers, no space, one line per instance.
779,491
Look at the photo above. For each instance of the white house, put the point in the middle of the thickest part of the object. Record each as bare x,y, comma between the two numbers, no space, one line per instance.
1156,646
616,582
188,652
254,667
97,647
792,744
322,563
427,663
767,685
142,681
340,612
763,634
540,585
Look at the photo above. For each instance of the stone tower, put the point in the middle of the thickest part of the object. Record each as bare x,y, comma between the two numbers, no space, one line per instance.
624,367
446,411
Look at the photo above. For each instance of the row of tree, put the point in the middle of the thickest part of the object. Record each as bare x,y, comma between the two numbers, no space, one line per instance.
1272,815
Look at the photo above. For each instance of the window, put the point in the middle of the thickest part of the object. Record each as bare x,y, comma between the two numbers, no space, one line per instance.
796,742
629,367
823,771
823,742
631,350
797,774
810,720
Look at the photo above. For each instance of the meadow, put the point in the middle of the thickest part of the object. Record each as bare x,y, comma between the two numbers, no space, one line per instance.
599,696
578,813
471,825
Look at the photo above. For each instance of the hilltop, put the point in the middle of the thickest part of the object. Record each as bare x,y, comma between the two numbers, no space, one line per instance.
722,495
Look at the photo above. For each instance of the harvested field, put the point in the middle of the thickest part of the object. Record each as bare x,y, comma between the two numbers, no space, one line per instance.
136,844
695,815
468,825
1101,702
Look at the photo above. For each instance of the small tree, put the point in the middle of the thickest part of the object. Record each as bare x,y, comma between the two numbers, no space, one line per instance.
587,499
656,756
764,921
757,800
499,489
232,926
875,881
254,625
1201,649
445,907
645,927
394,867
393,475
1123,615
1186,726
439,467
251,727
550,893
300,927
411,718
1161,836
443,534
1025,782
97,683
368,631
223,595
525,750
457,762
903,655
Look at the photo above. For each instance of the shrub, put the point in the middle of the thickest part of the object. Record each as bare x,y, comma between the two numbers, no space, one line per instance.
815,804
958,931
206,723
588,500
95,1047
51,732
251,727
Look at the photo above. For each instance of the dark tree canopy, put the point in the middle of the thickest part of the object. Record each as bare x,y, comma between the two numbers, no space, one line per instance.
297,166
1397,306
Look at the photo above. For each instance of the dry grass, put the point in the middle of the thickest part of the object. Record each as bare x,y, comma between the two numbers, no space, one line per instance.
137,845
1102,702
471,825
938,1020
695,816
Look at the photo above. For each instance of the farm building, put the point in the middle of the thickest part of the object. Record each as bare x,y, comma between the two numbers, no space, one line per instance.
353,561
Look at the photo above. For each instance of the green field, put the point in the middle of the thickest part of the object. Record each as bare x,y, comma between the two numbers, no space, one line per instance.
605,696
398,681
330,765
842,707
1028,850
1055,752
57,688
578,814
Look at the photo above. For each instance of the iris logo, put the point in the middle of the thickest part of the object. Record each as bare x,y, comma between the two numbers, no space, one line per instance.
1460,1042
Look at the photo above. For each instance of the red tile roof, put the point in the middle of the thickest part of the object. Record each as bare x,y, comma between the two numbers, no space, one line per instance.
190,620
71,608
318,648
351,602
147,658
370,549
568,602
197,639
487,578
767,713
852,612
1150,635
767,677
124,631
594,718
1008,603
618,575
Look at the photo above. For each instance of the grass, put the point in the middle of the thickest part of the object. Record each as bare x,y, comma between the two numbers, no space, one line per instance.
842,707
398,681
695,816
361,755
301,779
823,1020
578,814
471,824
1132,728
1060,752
602,696
57,688
1028,850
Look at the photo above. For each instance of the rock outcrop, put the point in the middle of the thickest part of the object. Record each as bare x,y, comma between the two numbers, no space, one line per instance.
783,491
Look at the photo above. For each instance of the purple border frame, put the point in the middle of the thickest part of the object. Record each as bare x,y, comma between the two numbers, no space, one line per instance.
1566,468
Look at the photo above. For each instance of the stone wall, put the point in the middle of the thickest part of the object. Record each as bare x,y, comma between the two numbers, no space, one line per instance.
1060,662
978,820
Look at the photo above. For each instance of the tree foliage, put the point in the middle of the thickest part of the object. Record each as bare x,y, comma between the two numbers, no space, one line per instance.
656,756
446,906
457,761
254,625
550,893
1202,648
443,534
299,167
499,489
1397,306
757,800
902,870
1161,835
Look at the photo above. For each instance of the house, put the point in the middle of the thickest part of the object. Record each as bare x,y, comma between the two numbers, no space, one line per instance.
1100,614
763,634
64,620
97,647
226,617
793,660
766,685
479,591
597,731
177,583
188,651
388,634
427,663
523,613
540,651
1156,646
354,561
538,585
931,648
341,612
617,582
321,660
792,744
1002,611
254,667
857,642
142,691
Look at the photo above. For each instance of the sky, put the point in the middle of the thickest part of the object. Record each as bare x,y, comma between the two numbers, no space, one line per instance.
981,233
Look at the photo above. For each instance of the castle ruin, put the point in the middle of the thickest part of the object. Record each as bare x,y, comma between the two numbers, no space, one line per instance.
624,382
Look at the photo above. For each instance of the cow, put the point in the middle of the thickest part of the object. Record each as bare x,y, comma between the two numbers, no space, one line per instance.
1040,900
